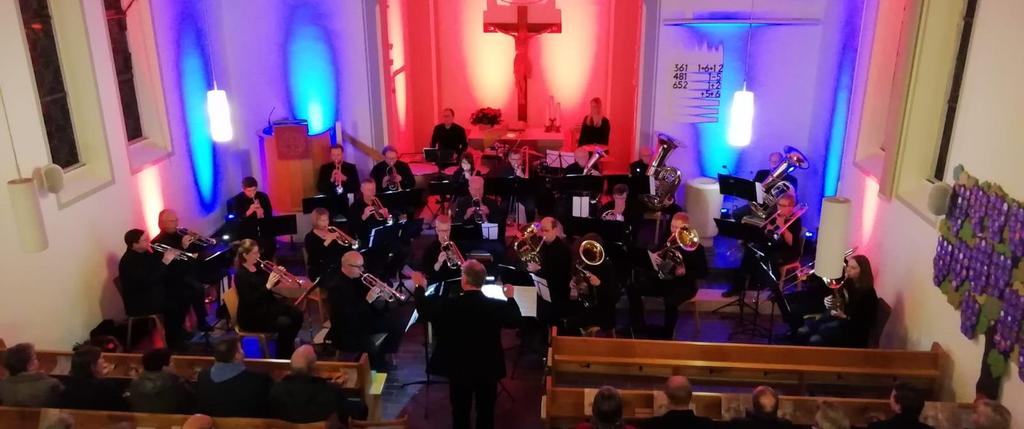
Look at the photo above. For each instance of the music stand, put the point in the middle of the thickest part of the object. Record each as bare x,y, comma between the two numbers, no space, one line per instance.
468,231
277,226
440,156
444,189
750,234
580,184
611,231
614,179
384,235
739,187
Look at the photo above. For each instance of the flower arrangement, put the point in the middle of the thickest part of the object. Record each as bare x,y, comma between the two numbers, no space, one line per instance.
486,116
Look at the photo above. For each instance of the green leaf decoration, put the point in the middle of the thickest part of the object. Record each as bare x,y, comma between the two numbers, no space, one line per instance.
1018,273
1015,354
1002,247
944,230
1019,287
996,363
967,232
955,297
947,285
990,307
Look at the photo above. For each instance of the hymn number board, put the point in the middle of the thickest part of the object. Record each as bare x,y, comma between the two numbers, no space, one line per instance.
705,79
694,83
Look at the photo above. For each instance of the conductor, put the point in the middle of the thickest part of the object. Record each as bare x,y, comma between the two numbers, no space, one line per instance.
469,351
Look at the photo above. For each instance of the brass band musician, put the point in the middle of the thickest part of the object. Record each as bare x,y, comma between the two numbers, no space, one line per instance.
594,288
435,263
258,309
182,287
247,208
554,256
676,286
338,176
324,246
355,319
141,275
368,213
781,250
392,173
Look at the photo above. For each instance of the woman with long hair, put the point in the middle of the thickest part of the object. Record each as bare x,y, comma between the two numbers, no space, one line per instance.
595,127
258,309
323,247
851,310
460,177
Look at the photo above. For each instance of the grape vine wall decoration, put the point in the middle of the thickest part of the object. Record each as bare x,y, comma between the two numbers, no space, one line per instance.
978,265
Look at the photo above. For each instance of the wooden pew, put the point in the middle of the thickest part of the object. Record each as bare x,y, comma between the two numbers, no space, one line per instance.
746,364
567,406
31,417
359,379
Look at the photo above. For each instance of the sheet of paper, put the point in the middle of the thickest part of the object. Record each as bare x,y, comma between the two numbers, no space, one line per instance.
542,287
490,230
525,296
63,366
581,206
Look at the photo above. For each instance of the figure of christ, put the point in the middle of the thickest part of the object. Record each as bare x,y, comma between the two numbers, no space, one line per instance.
522,32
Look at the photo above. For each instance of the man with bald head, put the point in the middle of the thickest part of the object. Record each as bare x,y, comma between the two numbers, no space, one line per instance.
181,283
355,319
303,397
679,392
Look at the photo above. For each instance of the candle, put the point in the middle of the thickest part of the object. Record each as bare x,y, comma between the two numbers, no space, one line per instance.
548,108
558,110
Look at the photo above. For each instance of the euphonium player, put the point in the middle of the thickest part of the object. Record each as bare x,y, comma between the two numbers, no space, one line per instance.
594,289
554,268
258,310
679,287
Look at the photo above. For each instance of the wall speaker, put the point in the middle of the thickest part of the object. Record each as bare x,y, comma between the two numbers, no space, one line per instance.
938,198
53,178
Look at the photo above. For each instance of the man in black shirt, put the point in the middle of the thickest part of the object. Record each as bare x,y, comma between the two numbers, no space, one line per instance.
337,179
449,136
302,397
228,389
581,157
435,262
514,166
141,274
248,208
355,319
907,402
782,250
386,172
679,393
385,257
554,267
181,284
475,206
469,350
774,159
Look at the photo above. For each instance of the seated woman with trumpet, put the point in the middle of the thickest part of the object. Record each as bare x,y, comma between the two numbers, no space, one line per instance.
675,269
258,309
442,260
324,245
392,174
460,177
851,309
360,309
594,290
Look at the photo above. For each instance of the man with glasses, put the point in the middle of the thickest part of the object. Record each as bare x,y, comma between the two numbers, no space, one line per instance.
355,321
435,262
779,251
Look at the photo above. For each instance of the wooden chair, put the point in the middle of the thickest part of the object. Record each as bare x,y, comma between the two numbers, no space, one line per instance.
231,302
157,320
400,423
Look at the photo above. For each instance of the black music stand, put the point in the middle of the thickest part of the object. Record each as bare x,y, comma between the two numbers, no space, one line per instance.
611,231
507,186
467,231
440,290
580,184
749,234
445,190
441,157
614,179
738,187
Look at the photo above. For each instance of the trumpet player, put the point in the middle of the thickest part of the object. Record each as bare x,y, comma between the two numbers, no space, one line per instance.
182,287
391,169
850,310
354,320
675,287
247,208
338,179
324,246
258,309
367,214
476,207
141,274
436,263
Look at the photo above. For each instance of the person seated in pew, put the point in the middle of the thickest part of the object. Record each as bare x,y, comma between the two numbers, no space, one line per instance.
86,388
830,416
301,397
621,207
851,317
606,411
434,262
258,308
460,177
676,284
907,402
63,420
989,414
679,393
764,412
392,174
157,390
198,421
228,389
580,159
25,385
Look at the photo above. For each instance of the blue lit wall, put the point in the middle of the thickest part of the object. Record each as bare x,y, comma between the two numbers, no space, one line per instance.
193,70
843,90
311,68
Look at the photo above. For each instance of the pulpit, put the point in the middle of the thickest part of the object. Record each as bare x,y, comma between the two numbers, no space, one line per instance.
289,160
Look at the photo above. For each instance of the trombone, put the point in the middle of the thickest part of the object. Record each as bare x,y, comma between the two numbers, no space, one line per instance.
775,231
806,270
378,211
271,268
197,238
343,239
182,255
452,254
380,289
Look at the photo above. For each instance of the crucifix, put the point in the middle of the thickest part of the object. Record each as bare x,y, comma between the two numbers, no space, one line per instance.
499,19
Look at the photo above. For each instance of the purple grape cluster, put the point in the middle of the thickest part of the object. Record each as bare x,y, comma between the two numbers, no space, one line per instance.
1015,228
1008,326
1020,355
976,209
943,261
1000,273
970,309
995,212
979,260
958,201
959,265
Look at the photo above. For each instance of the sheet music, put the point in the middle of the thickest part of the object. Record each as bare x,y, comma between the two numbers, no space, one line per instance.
555,158
542,287
525,296
581,206
490,230
653,264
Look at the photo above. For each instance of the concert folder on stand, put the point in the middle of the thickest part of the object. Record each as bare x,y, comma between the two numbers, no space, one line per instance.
611,231
738,187
740,231
440,156
505,186
527,289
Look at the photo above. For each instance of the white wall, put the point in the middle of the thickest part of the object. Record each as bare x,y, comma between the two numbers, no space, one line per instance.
987,141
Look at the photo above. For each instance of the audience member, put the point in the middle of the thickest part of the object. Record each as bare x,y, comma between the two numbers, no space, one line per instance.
764,413
679,392
989,414
301,397
228,389
56,421
86,388
157,390
198,421
606,412
830,416
25,386
907,402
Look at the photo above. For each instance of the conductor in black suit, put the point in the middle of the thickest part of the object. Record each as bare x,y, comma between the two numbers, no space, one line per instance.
469,350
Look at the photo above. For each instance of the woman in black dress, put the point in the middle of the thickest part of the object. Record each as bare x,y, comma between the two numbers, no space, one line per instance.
258,309
595,127
848,324
323,248
460,177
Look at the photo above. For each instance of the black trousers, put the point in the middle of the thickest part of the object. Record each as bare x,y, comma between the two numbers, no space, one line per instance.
672,291
287,323
463,391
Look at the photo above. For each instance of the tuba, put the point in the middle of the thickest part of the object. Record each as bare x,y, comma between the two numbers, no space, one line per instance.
596,155
686,239
774,186
379,289
452,254
528,246
591,254
666,178
392,182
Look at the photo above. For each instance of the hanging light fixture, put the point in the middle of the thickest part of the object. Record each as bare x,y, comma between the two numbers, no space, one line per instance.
741,114
218,110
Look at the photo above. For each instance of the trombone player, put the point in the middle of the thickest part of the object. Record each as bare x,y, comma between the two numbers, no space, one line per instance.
676,283
784,242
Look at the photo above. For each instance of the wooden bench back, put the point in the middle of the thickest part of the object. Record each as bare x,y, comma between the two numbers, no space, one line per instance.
31,417
566,406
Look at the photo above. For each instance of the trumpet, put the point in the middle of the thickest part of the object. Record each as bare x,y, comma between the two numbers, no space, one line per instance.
197,238
182,255
380,289
271,268
338,188
775,231
478,216
452,254
343,239
686,239
392,182
378,211
528,246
